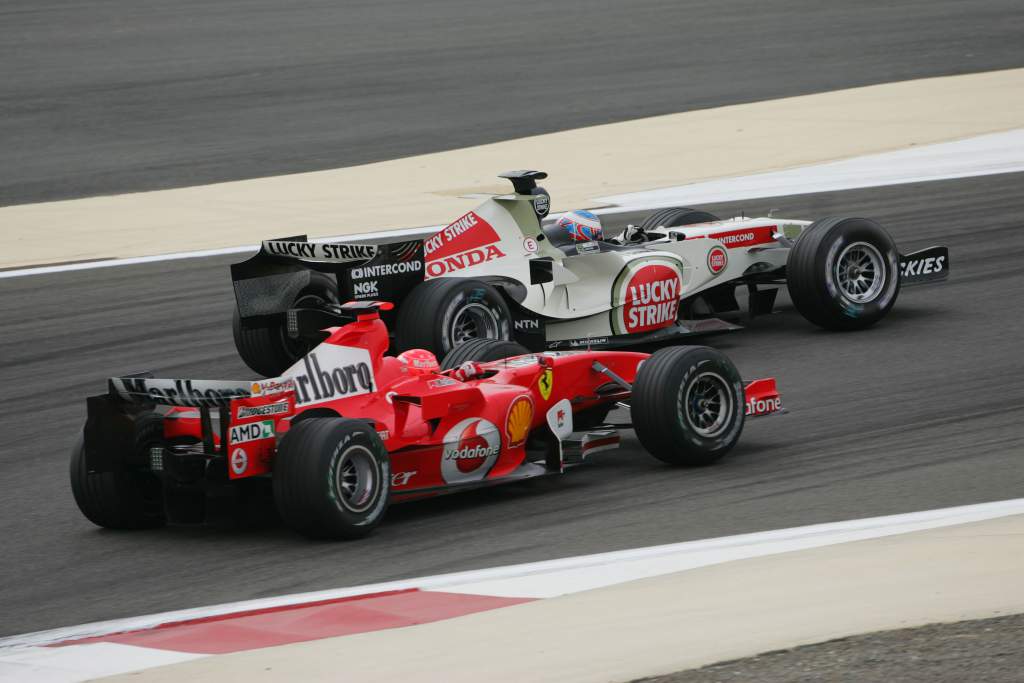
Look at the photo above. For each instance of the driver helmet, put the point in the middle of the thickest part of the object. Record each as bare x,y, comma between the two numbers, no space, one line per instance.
581,226
419,362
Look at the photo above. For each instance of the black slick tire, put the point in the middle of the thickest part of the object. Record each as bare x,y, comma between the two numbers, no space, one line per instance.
817,265
440,314
125,498
269,350
482,351
676,217
667,411
317,460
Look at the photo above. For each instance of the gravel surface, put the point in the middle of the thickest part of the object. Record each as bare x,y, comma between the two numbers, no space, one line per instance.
982,650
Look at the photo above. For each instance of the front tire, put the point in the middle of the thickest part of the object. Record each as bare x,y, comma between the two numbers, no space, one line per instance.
125,498
843,273
269,350
439,315
688,405
332,478
482,351
677,217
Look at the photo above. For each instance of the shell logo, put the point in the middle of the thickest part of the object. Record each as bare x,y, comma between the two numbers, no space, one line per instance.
518,421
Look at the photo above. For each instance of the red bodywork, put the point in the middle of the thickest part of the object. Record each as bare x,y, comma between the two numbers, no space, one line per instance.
441,432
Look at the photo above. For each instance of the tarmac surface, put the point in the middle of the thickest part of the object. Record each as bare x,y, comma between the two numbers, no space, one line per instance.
981,650
127,95
922,411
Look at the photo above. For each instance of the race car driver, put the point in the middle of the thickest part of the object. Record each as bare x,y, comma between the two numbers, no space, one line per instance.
585,226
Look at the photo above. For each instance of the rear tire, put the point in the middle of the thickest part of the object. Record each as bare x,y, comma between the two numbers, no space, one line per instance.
677,217
482,351
123,499
332,478
688,405
269,350
439,315
843,273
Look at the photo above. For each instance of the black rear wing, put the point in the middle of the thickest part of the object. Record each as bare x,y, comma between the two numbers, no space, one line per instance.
269,283
109,434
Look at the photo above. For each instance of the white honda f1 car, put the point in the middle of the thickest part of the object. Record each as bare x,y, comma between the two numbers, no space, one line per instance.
502,272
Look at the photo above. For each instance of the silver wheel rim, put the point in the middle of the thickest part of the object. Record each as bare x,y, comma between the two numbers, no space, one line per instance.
708,404
860,272
474,321
355,479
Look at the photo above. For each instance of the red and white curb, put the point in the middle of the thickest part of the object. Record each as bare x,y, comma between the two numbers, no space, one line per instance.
77,653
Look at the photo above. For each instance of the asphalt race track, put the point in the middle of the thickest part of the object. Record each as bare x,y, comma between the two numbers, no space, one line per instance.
923,411
125,95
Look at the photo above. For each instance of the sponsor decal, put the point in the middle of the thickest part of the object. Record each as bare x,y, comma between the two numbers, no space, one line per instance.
718,259
518,420
530,245
245,412
470,450
746,237
763,406
271,386
253,431
384,434
527,325
386,269
545,383
441,382
588,248
181,392
647,297
925,266
542,205
586,341
239,461
365,290
314,251
465,233
331,372
559,418
473,257
402,478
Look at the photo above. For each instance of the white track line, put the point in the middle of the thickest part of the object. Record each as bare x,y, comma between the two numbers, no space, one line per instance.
83,662
977,156
982,155
569,575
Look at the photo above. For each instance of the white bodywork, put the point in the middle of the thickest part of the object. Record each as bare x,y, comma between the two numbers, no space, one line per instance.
603,290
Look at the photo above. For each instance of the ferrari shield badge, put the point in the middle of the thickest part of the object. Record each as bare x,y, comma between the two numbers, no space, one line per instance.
545,383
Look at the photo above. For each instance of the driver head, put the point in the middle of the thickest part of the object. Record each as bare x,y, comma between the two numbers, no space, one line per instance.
419,362
581,226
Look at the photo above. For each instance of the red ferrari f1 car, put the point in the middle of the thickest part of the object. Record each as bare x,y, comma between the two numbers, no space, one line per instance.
348,430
